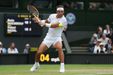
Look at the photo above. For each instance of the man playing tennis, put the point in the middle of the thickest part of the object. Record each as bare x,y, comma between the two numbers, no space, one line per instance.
56,23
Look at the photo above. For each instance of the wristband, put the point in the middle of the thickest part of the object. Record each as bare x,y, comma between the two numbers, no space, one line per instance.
60,25
48,25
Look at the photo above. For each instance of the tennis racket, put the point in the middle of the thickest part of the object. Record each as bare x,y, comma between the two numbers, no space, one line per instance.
33,10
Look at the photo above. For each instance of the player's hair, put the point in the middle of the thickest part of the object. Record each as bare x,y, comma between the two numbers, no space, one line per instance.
60,6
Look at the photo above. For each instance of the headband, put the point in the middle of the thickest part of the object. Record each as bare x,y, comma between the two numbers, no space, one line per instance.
60,8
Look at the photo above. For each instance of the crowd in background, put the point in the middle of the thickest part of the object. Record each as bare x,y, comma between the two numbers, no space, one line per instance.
91,5
101,41
73,4
12,49
100,6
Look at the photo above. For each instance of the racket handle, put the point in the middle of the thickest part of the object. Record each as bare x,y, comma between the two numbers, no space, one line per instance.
36,18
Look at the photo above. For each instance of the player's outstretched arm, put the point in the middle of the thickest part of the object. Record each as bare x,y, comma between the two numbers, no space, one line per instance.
54,25
39,21
47,24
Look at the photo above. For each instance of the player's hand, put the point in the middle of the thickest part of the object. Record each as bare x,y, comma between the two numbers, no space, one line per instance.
36,20
54,25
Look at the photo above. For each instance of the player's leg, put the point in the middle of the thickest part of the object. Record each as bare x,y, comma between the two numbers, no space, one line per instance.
58,45
40,50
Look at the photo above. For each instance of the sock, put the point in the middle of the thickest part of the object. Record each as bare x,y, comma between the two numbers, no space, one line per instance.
62,64
37,63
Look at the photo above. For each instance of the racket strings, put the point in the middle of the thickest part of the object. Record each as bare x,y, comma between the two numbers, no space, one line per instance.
33,10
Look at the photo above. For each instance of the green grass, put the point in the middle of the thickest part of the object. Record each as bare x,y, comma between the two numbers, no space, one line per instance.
75,69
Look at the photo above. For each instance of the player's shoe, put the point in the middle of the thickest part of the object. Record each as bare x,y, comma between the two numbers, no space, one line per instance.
34,67
62,69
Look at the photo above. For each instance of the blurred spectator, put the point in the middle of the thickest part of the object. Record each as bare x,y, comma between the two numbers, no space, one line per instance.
73,4
99,48
99,31
26,49
93,42
109,50
112,41
94,39
80,5
12,49
101,6
96,49
2,49
105,40
66,4
107,31
42,4
102,49
92,6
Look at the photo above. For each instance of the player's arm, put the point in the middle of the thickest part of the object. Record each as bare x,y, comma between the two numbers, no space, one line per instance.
36,19
50,25
54,25
39,21
65,25
47,23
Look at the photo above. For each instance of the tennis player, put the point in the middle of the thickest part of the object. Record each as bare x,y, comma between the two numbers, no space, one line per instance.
56,23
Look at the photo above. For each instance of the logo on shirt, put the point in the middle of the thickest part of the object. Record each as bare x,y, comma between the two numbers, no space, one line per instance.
71,18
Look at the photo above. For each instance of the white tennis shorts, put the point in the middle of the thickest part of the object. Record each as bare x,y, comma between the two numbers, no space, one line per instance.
48,41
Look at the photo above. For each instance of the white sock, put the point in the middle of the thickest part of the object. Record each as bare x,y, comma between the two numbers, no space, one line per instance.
37,63
62,64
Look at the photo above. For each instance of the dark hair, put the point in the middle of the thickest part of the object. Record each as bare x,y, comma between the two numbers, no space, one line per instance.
60,6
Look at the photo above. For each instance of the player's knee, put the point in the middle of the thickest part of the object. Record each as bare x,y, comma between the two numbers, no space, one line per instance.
59,48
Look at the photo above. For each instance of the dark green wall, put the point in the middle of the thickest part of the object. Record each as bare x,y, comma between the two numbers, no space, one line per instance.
90,20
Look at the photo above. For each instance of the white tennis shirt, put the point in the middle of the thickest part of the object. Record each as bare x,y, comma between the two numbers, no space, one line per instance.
56,32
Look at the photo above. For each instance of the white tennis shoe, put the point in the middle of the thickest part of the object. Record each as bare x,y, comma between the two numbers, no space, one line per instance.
34,67
62,69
